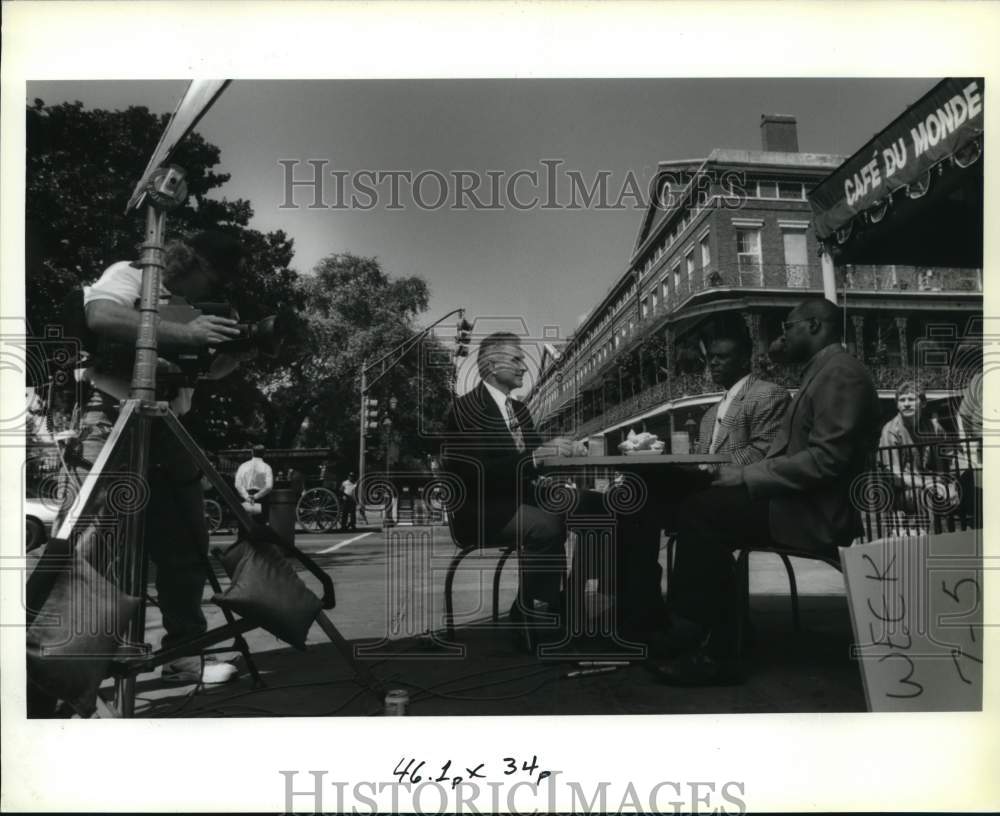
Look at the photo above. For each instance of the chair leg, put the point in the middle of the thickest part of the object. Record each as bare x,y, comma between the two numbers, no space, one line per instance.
794,592
671,551
496,584
449,609
743,579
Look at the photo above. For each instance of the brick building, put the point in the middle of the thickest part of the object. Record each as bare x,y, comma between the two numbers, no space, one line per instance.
731,237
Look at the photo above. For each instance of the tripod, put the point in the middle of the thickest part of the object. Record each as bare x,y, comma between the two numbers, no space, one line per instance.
127,451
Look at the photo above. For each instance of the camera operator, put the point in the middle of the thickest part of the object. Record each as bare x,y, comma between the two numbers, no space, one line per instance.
176,536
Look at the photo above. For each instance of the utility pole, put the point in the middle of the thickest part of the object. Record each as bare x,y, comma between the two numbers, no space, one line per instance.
388,361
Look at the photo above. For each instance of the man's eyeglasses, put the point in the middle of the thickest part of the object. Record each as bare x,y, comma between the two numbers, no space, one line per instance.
785,324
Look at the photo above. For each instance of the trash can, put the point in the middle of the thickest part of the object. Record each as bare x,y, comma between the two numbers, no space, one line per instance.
282,514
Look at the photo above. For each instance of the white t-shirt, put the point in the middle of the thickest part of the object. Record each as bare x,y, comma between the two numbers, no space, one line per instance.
121,283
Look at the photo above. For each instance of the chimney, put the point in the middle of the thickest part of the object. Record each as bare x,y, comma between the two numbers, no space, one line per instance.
779,133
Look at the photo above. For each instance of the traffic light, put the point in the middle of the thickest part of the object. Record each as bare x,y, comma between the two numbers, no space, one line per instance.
463,335
371,413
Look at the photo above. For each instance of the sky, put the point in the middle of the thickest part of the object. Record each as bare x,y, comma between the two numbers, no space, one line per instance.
545,267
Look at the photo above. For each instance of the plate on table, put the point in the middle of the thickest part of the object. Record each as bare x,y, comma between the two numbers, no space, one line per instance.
643,453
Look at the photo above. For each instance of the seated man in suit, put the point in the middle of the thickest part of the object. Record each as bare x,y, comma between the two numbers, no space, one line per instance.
742,425
491,445
797,496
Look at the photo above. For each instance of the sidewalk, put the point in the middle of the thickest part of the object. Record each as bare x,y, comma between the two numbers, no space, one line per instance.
808,671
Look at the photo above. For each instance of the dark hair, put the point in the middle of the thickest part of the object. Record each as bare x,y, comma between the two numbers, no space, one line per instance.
492,341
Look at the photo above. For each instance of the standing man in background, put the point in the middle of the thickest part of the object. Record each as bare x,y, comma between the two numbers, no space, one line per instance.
255,480
349,511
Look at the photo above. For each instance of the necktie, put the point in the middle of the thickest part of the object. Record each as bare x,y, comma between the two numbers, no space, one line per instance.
515,428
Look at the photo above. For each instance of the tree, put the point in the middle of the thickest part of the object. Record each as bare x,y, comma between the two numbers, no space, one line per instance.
356,312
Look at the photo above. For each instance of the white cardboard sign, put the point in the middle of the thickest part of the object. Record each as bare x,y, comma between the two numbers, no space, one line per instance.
917,611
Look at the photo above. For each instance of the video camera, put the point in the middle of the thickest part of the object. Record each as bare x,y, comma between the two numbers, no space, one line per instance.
263,336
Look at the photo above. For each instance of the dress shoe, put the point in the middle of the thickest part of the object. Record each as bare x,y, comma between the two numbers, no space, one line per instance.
699,668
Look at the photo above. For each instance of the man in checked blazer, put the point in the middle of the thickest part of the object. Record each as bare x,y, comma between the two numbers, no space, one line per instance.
746,419
491,446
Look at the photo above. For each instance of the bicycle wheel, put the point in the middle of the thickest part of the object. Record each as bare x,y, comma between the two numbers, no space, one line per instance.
318,510
213,515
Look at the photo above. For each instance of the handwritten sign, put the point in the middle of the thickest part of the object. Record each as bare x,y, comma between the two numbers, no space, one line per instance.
917,610
413,771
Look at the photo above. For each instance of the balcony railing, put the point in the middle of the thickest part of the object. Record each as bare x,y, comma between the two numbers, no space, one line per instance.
912,278
885,377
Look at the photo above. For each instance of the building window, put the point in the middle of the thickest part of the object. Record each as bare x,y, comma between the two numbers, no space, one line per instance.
645,307
748,256
796,258
677,278
664,289
767,189
706,255
790,190
653,299
689,267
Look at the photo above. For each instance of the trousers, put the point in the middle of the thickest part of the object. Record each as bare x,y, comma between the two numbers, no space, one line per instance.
175,532
712,524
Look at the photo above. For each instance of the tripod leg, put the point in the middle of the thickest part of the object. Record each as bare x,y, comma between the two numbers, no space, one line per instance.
226,493
368,680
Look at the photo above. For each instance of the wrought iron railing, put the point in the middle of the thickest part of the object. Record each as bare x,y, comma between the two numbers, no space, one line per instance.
931,487
911,278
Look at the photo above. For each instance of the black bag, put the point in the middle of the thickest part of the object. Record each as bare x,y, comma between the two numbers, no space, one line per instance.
75,635
265,588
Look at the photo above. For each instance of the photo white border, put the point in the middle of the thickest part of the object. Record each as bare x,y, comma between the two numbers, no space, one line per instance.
789,762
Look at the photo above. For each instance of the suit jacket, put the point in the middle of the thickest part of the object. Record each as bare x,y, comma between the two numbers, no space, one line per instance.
480,451
751,423
828,437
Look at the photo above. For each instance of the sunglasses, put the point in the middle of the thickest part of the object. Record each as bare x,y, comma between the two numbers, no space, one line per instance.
785,324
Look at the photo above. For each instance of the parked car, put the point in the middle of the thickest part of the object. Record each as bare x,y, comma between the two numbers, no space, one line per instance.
38,517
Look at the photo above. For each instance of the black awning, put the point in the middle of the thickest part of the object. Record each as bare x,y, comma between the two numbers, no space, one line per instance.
914,193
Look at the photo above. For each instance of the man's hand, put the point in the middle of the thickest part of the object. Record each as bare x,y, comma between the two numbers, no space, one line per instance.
210,330
559,446
728,476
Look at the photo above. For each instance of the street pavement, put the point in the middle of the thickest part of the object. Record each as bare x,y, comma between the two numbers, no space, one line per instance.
390,604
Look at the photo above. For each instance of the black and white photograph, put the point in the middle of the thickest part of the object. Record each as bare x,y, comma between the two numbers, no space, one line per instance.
582,407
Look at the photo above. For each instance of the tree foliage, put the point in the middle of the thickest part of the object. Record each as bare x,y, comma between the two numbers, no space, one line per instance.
356,313
81,168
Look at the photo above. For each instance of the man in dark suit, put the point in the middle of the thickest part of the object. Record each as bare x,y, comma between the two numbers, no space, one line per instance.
491,445
797,496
